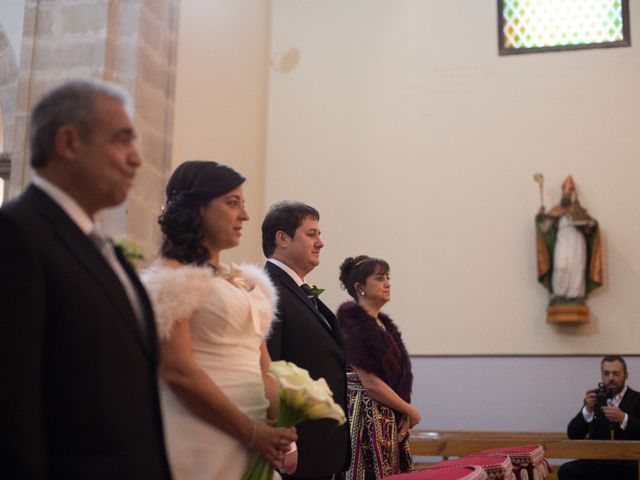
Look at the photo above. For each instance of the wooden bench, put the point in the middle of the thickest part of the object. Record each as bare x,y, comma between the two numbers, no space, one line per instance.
452,443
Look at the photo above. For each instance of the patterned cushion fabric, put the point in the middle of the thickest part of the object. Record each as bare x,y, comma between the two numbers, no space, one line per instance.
528,460
497,467
454,473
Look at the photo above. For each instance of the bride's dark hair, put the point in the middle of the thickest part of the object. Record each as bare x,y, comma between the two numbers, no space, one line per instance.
181,225
191,186
357,269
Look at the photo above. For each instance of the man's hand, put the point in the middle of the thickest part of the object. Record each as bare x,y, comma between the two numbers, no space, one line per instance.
290,463
590,400
613,413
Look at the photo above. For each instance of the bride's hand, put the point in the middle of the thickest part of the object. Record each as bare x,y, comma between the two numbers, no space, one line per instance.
273,442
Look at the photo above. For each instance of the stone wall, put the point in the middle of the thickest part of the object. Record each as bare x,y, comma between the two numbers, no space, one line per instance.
130,42
8,89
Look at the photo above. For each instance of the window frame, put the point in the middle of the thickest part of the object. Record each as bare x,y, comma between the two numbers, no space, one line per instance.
625,42
5,174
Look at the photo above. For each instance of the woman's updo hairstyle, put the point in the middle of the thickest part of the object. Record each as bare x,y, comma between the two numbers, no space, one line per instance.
357,269
190,187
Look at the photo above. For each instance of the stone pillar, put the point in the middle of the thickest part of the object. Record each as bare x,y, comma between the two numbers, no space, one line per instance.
142,57
130,42
8,87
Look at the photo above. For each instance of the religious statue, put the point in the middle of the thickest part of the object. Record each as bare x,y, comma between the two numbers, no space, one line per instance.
569,255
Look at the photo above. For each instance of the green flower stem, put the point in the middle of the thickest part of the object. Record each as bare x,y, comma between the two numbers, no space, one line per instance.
282,415
260,469
288,417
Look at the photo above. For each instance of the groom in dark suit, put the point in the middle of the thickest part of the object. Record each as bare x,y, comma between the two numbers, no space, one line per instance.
78,356
306,331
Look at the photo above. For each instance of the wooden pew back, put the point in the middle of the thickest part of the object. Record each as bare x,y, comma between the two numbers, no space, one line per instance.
453,443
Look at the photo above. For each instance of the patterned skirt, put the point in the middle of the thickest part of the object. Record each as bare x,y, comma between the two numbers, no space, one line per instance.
376,450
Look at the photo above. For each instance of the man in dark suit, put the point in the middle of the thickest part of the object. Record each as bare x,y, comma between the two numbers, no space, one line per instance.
306,331
613,416
78,355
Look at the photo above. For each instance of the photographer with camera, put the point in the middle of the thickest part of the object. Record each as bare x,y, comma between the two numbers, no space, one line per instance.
611,411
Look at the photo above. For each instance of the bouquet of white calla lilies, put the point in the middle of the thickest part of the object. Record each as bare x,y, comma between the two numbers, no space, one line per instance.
301,398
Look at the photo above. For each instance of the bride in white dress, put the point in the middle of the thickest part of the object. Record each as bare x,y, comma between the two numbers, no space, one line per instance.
212,321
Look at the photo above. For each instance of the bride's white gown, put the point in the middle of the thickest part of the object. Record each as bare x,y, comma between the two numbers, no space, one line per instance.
230,313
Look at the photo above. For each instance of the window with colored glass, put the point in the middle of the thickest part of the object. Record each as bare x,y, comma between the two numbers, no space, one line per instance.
526,26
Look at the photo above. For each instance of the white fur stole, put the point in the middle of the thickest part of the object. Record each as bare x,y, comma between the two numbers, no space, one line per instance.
176,293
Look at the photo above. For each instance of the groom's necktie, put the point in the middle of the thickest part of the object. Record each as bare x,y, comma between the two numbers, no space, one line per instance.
308,291
105,246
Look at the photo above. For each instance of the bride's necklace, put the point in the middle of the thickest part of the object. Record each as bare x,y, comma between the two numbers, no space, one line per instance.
233,275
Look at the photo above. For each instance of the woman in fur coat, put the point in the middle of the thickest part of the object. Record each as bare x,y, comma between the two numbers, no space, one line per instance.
379,375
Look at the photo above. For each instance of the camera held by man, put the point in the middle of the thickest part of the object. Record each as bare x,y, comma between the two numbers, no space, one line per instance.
603,395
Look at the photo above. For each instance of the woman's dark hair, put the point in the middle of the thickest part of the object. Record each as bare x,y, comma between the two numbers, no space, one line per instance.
182,230
191,186
357,269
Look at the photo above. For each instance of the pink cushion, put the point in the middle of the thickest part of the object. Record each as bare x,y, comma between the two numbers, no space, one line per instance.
529,458
495,466
520,455
455,473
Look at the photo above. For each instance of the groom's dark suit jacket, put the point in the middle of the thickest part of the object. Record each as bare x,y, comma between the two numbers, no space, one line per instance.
299,335
78,378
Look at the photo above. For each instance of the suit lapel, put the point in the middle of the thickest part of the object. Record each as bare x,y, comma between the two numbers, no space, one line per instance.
285,279
151,339
627,400
87,255
331,318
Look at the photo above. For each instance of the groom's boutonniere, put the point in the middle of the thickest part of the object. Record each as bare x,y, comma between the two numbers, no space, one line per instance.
317,291
130,250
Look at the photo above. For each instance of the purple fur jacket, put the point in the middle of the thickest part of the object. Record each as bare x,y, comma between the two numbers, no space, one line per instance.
372,349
